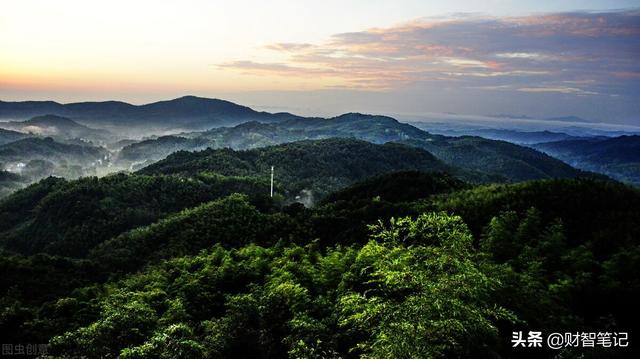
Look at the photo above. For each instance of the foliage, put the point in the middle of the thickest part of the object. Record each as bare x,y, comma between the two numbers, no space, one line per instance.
70,218
396,187
388,298
319,166
405,264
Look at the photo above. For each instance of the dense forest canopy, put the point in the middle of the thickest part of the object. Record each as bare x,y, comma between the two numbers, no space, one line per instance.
396,257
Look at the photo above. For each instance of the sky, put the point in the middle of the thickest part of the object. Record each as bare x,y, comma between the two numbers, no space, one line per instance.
404,58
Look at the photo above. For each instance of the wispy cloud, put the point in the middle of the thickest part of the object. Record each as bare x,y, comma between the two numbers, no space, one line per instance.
579,53
288,46
564,90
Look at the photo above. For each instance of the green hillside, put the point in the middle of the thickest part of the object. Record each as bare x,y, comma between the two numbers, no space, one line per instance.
48,149
618,157
9,182
397,187
191,258
229,278
513,162
318,166
497,160
157,149
71,217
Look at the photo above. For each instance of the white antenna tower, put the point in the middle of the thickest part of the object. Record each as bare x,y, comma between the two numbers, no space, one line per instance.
271,181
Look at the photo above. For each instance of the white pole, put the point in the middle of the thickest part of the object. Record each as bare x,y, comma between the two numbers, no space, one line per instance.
271,181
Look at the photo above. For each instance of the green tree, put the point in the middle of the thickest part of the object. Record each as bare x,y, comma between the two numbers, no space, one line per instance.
422,295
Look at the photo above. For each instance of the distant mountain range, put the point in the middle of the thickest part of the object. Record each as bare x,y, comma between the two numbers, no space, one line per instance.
618,157
7,136
56,126
490,155
568,119
514,136
35,158
186,112
524,137
47,148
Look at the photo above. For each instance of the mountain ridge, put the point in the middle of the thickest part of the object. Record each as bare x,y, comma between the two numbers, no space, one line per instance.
618,157
186,110
497,158
56,126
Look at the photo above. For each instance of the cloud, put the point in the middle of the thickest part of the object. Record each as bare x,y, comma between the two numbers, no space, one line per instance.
524,55
564,90
288,46
597,52
260,66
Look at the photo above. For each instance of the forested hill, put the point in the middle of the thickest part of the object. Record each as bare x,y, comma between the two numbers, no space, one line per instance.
56,126
71,217
402,264
7,136
497,159
191,258
396,187
618,157
320,166
48,149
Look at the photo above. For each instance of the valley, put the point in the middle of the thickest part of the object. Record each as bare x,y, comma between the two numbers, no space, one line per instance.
68,148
